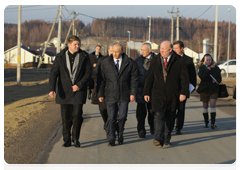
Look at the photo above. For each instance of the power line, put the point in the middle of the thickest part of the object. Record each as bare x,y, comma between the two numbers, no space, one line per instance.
194,10
204,12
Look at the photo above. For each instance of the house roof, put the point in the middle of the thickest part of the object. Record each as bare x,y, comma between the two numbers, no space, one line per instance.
33,50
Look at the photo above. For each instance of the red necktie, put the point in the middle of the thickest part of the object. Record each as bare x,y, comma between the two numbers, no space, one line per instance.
165,62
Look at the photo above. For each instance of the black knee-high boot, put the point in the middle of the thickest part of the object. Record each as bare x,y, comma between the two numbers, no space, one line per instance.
205,116
213,118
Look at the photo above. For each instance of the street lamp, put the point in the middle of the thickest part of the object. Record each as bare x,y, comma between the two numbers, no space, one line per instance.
228,41
129,32
149,28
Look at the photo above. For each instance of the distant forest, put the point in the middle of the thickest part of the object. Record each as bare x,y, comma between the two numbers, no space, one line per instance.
192,32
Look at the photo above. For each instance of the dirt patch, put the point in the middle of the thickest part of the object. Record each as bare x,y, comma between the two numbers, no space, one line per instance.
30,118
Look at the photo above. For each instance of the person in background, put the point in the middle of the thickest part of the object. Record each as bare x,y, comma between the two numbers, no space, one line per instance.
210,76
178,47
118,87
71,72
143,62
94,57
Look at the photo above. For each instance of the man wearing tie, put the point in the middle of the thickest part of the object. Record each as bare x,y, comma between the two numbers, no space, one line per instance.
143,62
118,86
167,77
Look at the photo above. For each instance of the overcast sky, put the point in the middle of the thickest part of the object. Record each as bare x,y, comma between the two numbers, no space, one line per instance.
86,13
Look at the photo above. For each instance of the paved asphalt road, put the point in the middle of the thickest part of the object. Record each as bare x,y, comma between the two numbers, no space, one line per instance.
197,145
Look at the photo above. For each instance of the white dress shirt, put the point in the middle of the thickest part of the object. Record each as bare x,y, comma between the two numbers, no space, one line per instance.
120,61
168,58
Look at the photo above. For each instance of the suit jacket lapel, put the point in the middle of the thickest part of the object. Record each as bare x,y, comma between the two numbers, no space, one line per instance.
123,65
171,61
80,63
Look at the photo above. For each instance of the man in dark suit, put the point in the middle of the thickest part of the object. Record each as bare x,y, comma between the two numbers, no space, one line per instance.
143,62
178,47
118,87
94,57
71,72
167,77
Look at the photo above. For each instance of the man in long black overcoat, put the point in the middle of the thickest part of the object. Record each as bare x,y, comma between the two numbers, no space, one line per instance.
167,77
71,72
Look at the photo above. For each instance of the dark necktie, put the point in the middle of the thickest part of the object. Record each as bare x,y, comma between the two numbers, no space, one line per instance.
117,66
146,63
165,62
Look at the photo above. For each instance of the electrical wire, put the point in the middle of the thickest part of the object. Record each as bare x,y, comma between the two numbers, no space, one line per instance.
204,12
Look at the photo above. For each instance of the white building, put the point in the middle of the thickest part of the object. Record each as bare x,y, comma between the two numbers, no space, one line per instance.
27,55
192,54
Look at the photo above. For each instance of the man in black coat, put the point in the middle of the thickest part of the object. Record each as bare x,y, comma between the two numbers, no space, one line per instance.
168,80
143,62
94,57
71,72
178,47
118,87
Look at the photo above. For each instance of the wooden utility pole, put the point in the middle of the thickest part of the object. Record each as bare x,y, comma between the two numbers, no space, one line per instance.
73,24
43,53
177,28
19,47
215,35
172,27
68,32
172,24
59,30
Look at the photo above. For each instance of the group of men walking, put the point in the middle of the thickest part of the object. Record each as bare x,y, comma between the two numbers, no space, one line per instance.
158,83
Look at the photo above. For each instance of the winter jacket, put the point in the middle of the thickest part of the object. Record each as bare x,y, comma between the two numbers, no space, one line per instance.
165,95
206,85
60,75
117,87
142,73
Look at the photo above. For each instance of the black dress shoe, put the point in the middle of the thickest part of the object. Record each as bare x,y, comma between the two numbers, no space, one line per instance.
66,144
178,132
77,144
120,139
112,143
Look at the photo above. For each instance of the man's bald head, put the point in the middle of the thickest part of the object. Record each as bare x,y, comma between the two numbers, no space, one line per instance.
165,48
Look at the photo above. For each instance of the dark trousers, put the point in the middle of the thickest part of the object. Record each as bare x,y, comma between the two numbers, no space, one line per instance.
163,124
141,113
103,111
117,112
71,119
180,115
